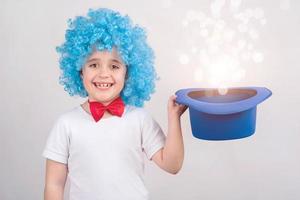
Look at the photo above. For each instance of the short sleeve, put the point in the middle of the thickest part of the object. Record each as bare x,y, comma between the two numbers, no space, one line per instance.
57,145
153,138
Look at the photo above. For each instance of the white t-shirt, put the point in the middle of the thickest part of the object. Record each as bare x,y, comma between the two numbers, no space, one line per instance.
105,159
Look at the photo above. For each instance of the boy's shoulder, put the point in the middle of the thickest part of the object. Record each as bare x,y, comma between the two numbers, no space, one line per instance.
69,114
138,112
135,110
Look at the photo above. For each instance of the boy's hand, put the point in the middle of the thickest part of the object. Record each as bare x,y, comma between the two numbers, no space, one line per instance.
175,109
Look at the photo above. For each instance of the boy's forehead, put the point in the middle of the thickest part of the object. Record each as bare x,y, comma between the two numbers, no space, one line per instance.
105,54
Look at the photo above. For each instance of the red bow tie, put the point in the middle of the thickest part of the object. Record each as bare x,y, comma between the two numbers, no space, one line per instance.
116,107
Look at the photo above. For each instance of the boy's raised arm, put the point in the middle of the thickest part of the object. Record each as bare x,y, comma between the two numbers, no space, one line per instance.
170,158
56,175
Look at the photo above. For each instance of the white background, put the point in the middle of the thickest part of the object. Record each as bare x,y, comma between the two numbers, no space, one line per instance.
263,166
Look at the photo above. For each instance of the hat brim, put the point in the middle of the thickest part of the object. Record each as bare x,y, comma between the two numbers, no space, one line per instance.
208,100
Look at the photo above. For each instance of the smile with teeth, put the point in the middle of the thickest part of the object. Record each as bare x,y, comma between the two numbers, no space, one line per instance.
103,85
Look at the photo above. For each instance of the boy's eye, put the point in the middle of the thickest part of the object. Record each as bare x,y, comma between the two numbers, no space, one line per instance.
93,65
115,67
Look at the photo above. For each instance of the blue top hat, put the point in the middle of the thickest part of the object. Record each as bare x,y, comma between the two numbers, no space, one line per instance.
222,117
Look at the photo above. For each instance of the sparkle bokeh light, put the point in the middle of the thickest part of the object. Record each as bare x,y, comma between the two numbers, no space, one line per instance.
221,42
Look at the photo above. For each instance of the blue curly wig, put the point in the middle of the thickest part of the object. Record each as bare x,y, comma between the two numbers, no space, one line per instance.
104,29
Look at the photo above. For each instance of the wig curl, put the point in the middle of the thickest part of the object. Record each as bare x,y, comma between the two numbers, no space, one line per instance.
104,29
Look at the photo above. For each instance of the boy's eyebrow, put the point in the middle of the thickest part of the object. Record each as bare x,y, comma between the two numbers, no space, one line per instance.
117,61
93,59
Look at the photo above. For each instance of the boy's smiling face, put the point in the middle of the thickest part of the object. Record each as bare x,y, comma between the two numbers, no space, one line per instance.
103,76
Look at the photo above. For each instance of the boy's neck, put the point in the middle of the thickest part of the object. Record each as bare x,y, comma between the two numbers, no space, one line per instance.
103,103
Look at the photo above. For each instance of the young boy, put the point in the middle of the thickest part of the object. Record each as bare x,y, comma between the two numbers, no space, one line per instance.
99,145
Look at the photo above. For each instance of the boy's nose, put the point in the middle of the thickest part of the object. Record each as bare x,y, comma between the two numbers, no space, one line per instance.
103,72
